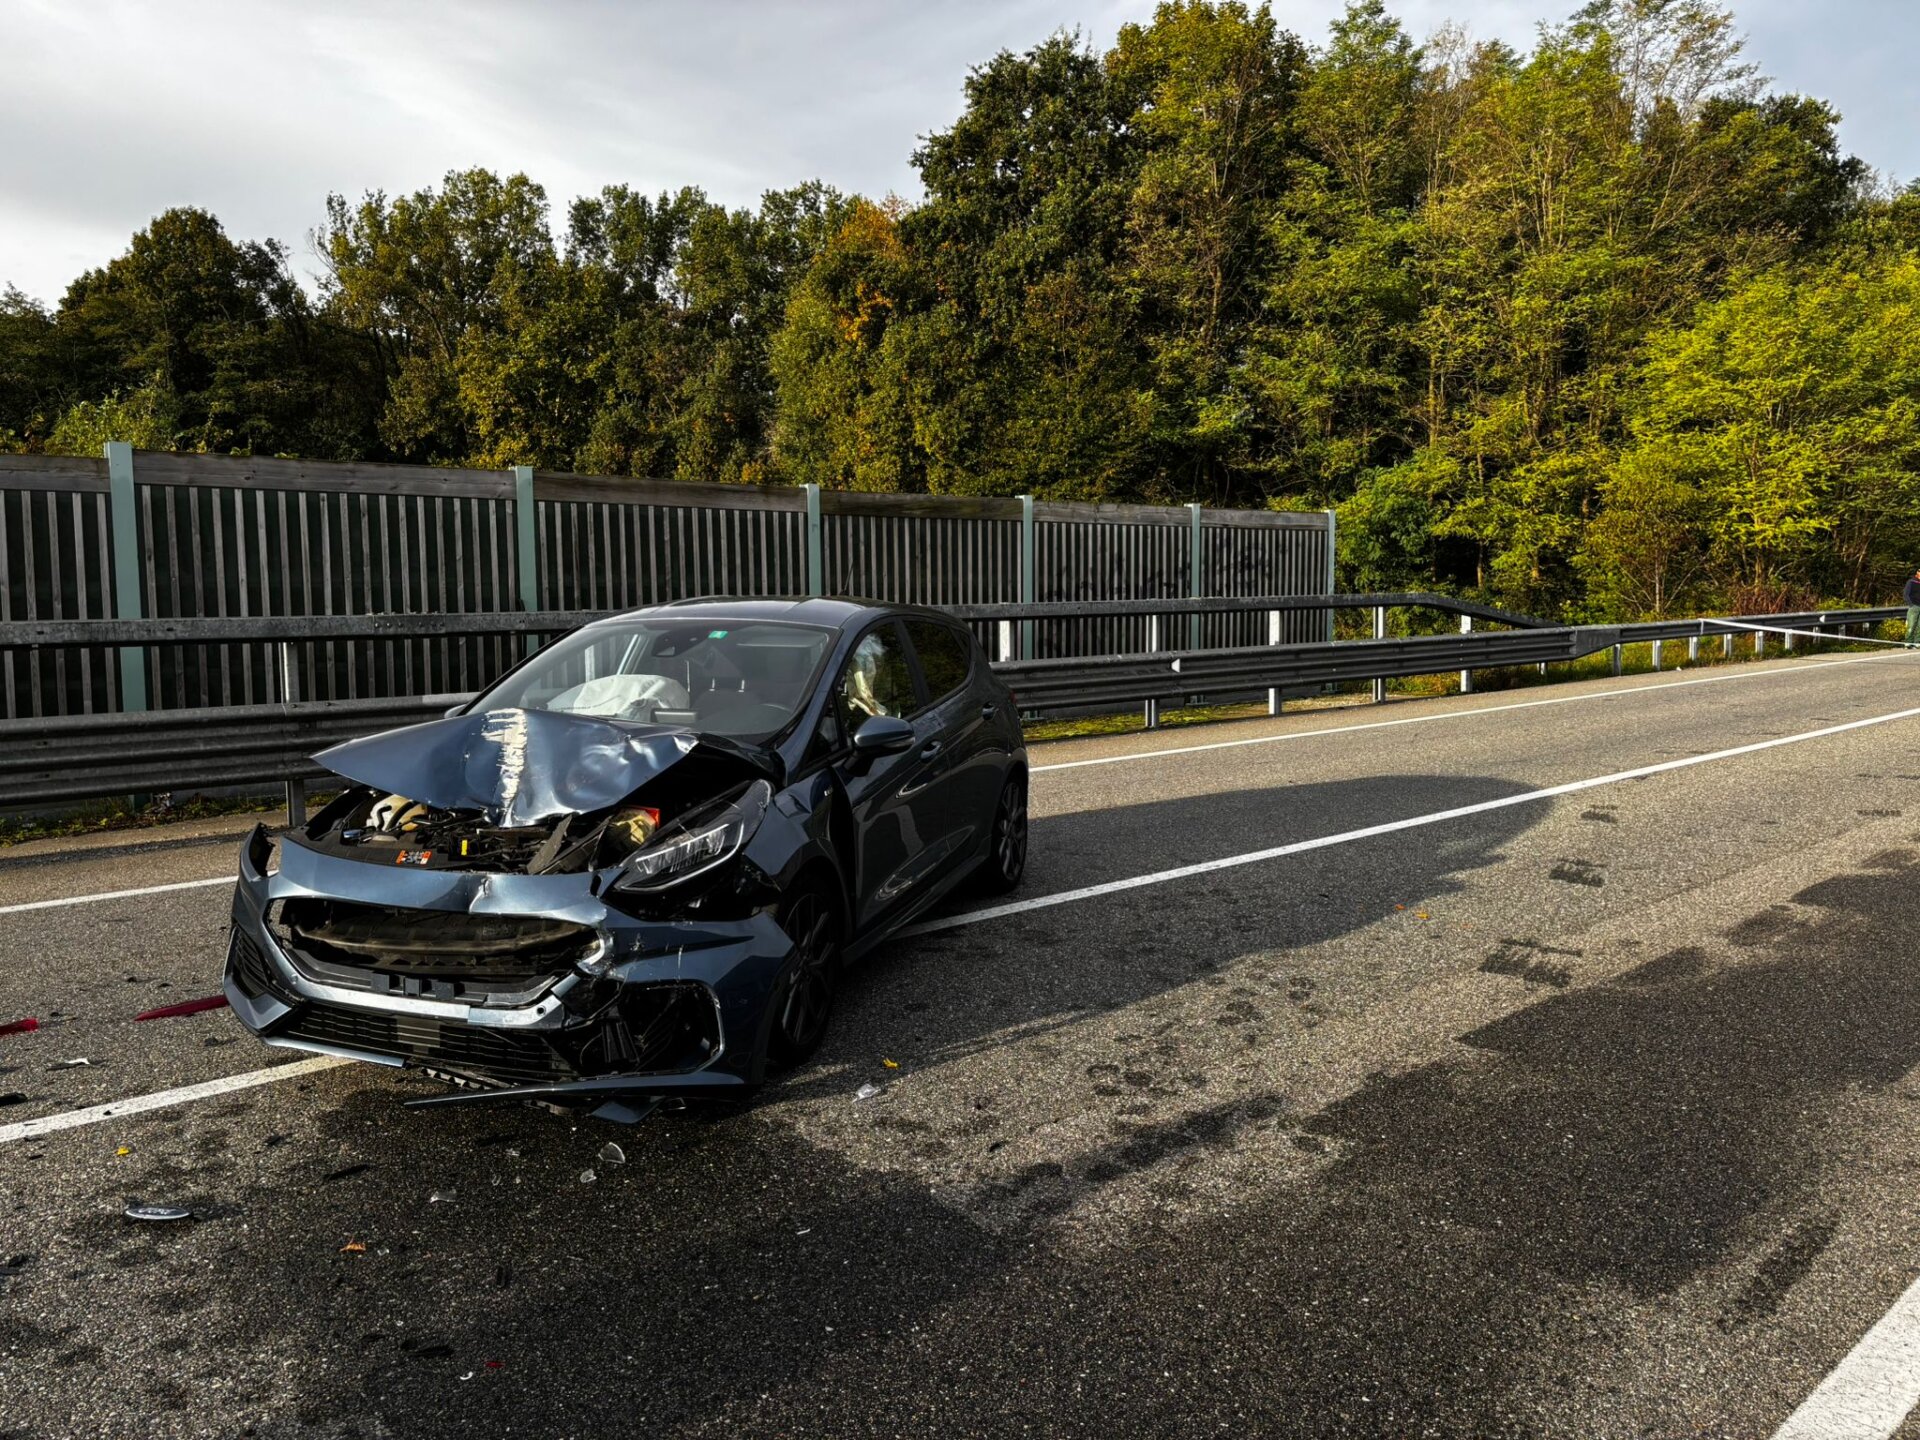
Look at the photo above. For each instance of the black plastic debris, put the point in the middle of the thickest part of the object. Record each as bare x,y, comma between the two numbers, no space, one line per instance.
157,1214
14,1097
346,1172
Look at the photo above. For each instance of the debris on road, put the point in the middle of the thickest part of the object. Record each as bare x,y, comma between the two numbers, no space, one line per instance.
353,1247
18,1027
890,1064
73,1064
14,1097
185,1007
611,1154
158,1213
442,1197
866,1092
587,1177
346,1172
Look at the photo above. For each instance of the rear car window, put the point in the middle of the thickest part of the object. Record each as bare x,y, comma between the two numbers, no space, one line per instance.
945,656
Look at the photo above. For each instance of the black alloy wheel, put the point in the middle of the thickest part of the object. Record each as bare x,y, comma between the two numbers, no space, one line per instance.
804,999
1006,858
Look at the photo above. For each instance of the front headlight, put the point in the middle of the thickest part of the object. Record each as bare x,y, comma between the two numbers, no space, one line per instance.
696,845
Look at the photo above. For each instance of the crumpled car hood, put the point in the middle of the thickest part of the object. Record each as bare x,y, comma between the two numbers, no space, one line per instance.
522,767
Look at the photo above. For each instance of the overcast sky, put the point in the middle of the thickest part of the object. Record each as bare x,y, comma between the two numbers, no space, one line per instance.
113,110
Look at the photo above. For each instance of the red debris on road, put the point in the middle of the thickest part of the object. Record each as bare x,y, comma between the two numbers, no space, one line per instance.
14,1027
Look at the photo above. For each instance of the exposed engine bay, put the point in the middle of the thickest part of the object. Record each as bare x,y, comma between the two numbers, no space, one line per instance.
678,782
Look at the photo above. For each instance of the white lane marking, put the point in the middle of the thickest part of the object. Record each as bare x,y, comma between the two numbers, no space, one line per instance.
1415,822
1140,755
1814,634
1871,1392
116,894
161,1099
93,1114
1800,669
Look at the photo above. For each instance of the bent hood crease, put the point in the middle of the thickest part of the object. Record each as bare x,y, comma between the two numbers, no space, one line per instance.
522,767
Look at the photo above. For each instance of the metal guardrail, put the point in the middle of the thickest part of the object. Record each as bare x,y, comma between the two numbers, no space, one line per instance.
43,761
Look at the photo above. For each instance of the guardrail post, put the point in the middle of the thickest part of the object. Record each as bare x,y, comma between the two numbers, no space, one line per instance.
1790,638
1655,646
1617,659
1759,644
526,529
1726,646
296,804
1150,709
1273,638
1693,649
816,546
1379,633
126,569
1028,587
1466,628
1196,558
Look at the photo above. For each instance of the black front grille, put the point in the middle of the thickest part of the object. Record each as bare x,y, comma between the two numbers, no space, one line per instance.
506,1054
250,967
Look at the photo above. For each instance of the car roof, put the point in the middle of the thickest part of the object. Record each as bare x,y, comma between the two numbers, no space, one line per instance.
836,612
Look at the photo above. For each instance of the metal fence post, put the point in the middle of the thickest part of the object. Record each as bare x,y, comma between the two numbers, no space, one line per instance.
1330,571
1693,649
1759,644
816,549
126,569
1618,656
1028,588
1379,633
526,530
1726,646
1194,586
1466,676
1656,655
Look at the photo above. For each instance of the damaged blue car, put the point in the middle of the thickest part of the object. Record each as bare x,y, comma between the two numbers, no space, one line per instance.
633,870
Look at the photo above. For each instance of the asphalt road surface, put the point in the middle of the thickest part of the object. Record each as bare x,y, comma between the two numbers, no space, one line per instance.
1471,1112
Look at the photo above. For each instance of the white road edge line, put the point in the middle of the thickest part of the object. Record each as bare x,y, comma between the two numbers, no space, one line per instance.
115,894
1415,822
25,1129
162,1099
1628,690
1870,1393
1137,755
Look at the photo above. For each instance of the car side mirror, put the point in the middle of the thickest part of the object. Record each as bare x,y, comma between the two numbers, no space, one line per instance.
882,735
453,710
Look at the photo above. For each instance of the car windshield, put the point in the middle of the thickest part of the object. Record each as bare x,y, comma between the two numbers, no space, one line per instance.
745,680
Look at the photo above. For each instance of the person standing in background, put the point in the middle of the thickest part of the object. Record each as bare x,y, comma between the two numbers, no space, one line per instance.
1912,593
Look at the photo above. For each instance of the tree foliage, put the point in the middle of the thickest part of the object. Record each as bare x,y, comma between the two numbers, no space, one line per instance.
1602,328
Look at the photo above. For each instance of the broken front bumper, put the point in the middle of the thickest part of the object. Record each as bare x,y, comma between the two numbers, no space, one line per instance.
646,1009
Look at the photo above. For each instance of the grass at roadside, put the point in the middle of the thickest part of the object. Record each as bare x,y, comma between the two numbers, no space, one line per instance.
117,814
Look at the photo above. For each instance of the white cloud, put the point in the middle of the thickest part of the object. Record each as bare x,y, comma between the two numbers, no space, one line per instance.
255,109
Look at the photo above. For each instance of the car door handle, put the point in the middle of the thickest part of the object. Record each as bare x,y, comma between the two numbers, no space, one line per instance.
930,749
989,710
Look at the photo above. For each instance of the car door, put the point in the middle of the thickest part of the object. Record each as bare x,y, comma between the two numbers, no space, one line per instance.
958,802
878,678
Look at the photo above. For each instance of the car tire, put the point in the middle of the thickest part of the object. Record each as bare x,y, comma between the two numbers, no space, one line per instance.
1006,858
803,997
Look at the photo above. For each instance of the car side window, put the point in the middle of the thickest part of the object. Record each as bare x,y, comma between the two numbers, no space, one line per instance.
877,680
945,658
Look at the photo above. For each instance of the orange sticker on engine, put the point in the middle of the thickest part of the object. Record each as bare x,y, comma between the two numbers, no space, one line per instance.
413,857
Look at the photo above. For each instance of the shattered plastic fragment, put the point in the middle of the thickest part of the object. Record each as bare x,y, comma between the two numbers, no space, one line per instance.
16,1027
611,1154
353,1247
73,1064
587,1177
442,1197
185,1007
161,1213
866,1092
